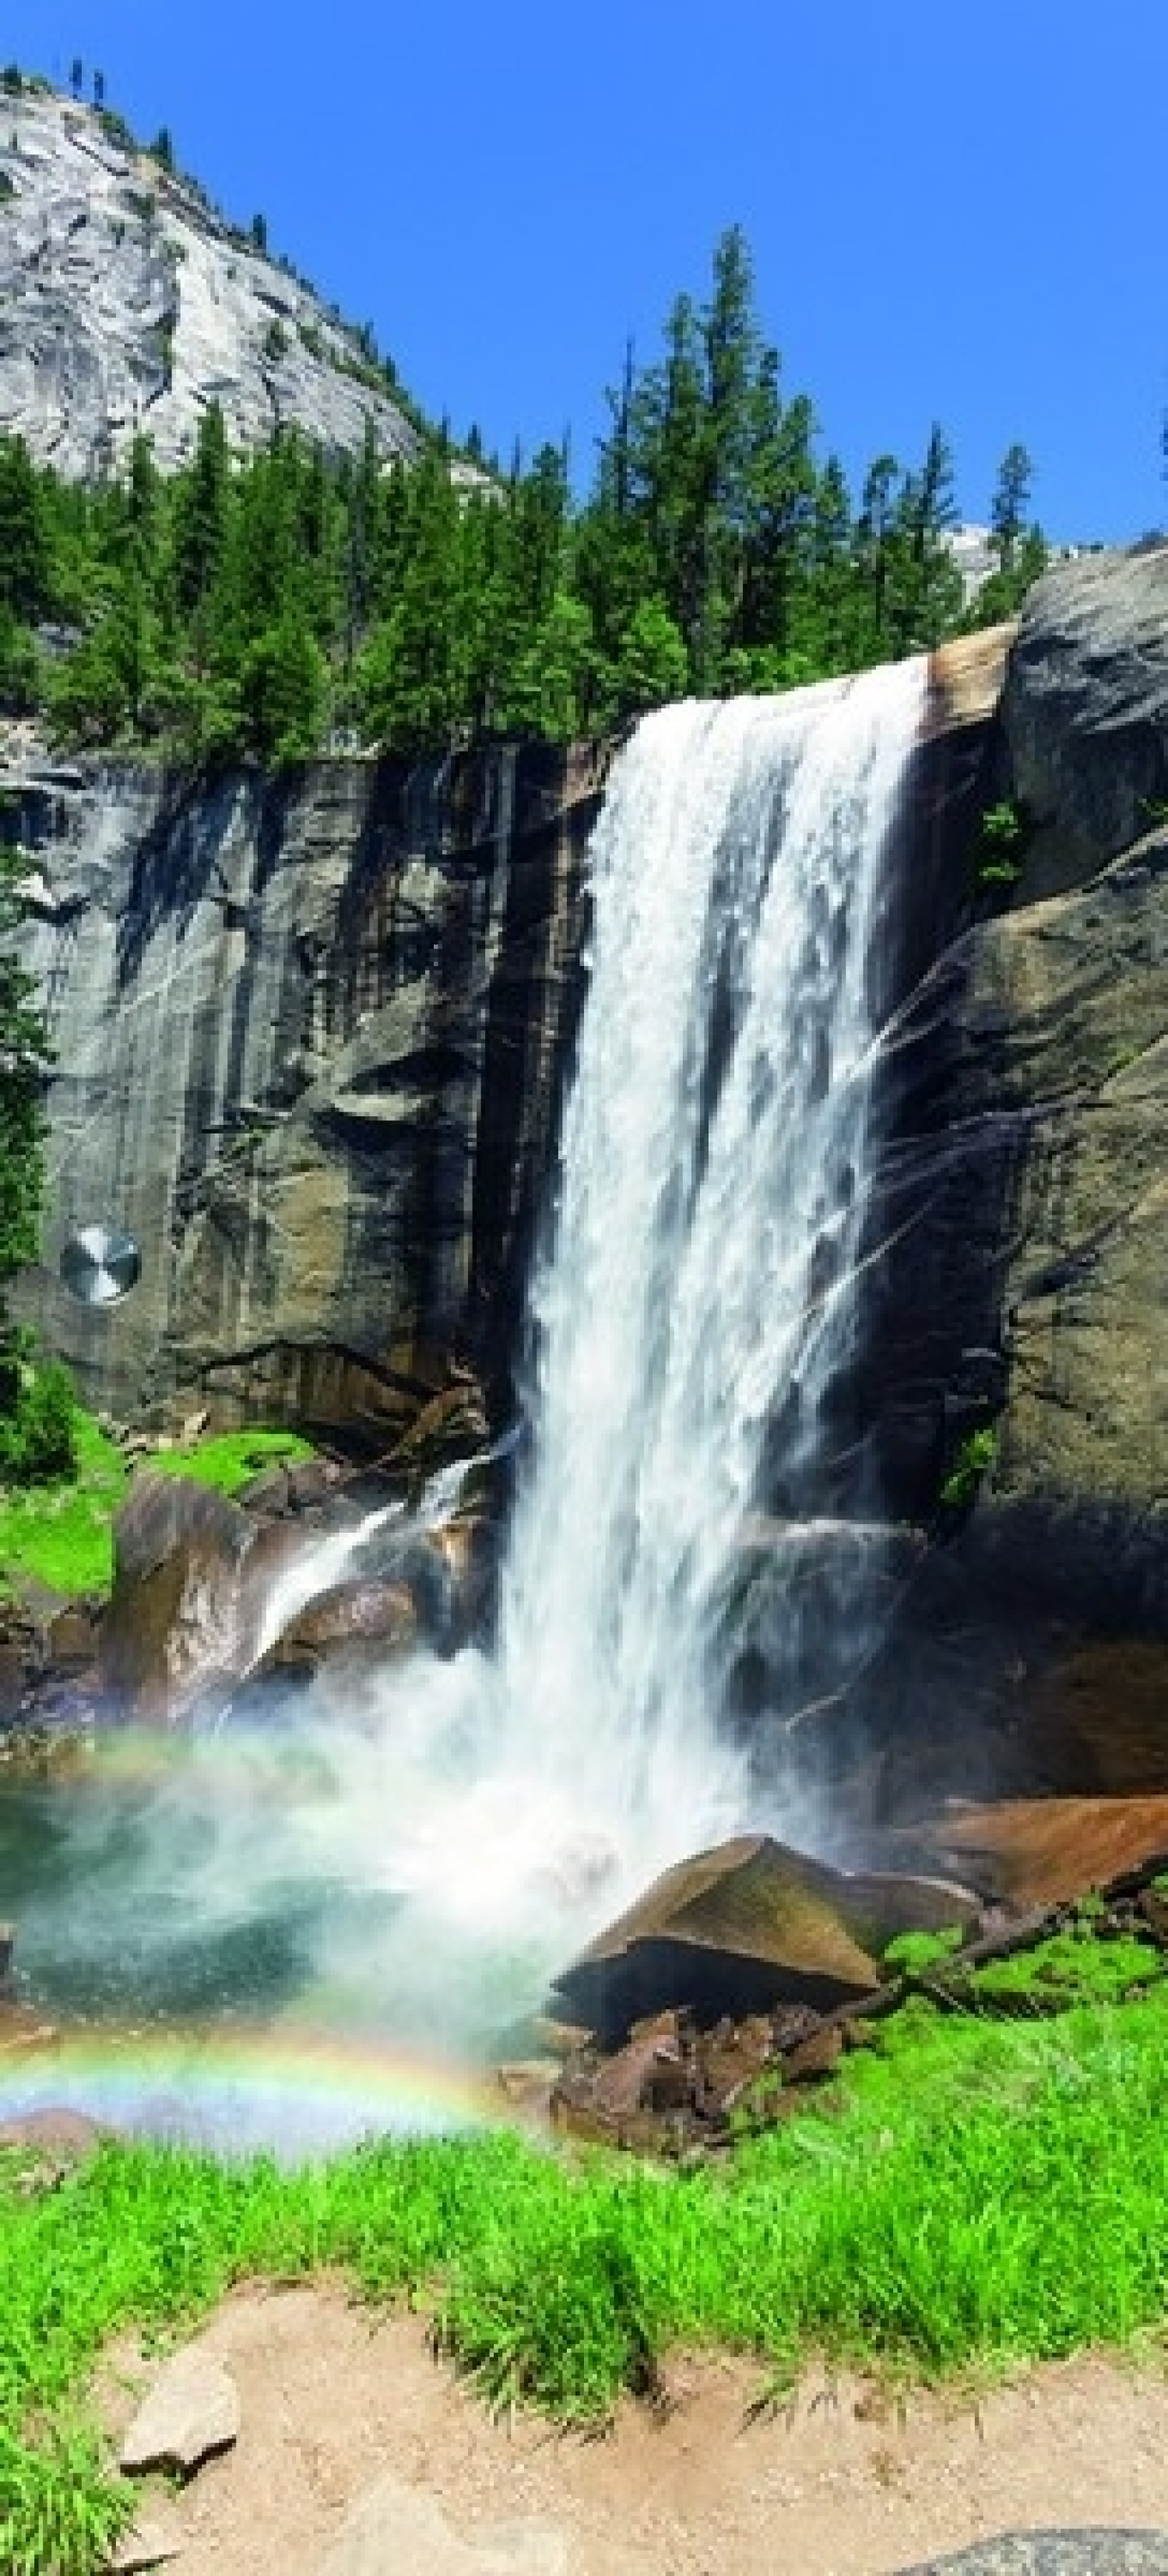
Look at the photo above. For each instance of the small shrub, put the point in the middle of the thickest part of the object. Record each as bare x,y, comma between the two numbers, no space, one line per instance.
38,1443
974,1459
275,340
116,130
1000,844
912,1954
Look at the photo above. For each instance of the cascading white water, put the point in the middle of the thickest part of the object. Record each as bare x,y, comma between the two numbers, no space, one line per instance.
713,1183
445,1844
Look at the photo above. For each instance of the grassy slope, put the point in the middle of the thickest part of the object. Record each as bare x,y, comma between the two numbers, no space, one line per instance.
62,1533
985,2191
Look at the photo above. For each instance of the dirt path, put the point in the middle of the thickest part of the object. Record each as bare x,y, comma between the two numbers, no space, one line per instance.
842,2484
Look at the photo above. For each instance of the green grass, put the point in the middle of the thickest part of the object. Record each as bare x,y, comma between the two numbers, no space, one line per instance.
987,2192
62,1533
1071,1967
912,1954
229,1459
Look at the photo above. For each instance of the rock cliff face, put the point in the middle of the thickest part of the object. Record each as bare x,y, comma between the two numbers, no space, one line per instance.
126,303
1030,1137
1026,1208
311,1035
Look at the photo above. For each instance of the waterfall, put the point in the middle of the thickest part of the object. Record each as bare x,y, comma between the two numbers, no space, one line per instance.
698,1294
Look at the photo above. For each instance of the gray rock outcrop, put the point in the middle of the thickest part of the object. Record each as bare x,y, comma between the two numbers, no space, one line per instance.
311,1035
126,303
1036,1138
1088,2552
1023,1216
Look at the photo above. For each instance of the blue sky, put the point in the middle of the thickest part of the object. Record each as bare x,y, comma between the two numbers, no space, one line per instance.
955,206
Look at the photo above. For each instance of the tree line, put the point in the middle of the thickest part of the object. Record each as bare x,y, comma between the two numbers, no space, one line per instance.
273,606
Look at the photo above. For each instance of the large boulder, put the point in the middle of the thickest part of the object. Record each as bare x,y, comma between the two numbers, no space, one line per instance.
348,1632
183,1621
747,1926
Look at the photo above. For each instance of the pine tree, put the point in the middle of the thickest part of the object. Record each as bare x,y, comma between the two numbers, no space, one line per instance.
652,666
925,592
1010,505
283,691
1019,549
25,557
201,514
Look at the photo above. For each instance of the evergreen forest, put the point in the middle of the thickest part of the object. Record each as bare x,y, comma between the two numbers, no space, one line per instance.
269,607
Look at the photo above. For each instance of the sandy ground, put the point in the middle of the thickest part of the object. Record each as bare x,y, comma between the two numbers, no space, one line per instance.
843,2482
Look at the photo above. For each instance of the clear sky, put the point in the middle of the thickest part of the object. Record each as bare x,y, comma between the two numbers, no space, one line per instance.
956,207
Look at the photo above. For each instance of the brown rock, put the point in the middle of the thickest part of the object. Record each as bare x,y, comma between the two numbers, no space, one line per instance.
749,1926
449,1427
1042,1851
71,2137
965,678
310,1482
730,1931
1152,1904
71,1642
50,2142
180,1622
369,1619
815,2056
731,2057
648,2074
14,1676
269,1494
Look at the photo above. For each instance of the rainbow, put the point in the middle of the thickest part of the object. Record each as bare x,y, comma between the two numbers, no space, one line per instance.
289,2089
